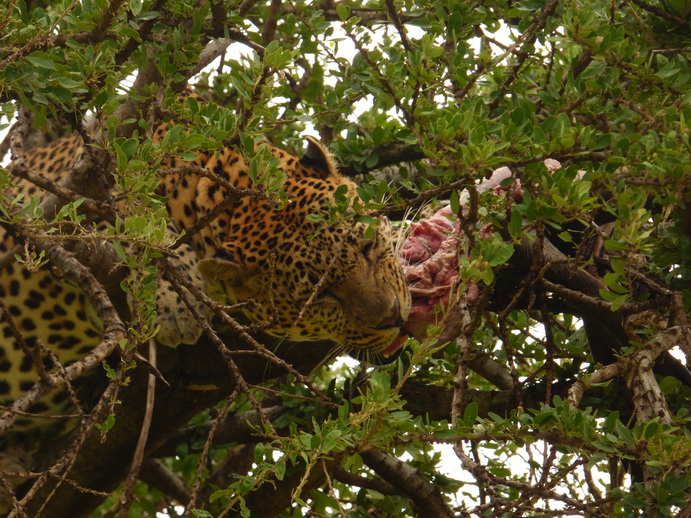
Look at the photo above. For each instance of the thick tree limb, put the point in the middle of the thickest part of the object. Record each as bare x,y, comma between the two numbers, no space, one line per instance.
599,376
187,369
491,370
661,13
240,428
158,476
436,402
367,15
393,153
212,51
271,499
428,500
379,485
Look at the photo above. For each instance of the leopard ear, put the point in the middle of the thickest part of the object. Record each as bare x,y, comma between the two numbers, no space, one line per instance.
318,159
226,267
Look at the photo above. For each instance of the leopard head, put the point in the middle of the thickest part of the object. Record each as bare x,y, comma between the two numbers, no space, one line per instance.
310,281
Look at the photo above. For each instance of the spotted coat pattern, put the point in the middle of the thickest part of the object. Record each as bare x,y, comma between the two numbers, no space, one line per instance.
251,250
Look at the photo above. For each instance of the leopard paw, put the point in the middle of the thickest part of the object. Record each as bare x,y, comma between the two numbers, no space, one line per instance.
178,324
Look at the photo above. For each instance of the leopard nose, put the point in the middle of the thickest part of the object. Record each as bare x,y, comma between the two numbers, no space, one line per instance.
393,318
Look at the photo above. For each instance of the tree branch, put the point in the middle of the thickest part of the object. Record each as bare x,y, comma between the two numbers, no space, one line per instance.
393,153
158,476
428,501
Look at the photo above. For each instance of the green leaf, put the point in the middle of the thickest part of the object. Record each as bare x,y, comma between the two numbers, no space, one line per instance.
136,6
454,202
41,62
372,159
606,447
374,494
343,11
496,417
280,468
446,434
148,15
515,222
623,432
120,251
340,195
595,68
617,300
59,93
502,253
107,424
68,83
470,413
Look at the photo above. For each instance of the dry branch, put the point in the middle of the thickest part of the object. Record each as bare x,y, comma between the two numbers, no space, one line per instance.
204,457
51,205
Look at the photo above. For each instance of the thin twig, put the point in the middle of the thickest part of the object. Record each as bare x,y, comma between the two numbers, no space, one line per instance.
205,452
138,457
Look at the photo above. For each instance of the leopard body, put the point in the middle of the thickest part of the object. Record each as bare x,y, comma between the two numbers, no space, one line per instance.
310,280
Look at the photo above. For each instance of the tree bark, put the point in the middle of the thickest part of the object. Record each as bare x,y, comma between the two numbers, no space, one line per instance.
198,379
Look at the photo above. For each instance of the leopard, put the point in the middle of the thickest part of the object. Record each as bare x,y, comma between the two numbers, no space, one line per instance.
296,277
304,279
